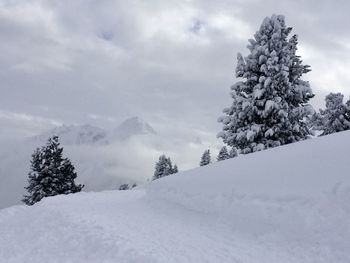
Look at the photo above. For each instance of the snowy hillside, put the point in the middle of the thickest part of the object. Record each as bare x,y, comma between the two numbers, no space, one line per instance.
288,204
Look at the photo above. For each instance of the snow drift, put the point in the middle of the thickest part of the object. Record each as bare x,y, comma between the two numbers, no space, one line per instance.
288,204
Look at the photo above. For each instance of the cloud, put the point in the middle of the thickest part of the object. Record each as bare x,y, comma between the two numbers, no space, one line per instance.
170,62
151,54
22,125
106,166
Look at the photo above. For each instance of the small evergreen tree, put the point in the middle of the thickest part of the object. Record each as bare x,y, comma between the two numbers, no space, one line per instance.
223,154
314,122
336,116
175,169
233,152
160,167
164,167
206,159
168,167
50,173
270,104
124,187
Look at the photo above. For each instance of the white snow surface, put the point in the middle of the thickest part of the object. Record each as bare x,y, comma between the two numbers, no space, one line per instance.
287,204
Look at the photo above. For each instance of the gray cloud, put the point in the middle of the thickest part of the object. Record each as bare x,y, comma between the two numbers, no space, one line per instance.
170,62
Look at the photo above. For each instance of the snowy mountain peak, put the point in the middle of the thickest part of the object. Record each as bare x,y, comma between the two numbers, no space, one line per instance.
133,126
77,134
88,134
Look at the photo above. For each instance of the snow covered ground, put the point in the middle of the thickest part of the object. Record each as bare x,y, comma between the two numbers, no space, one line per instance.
288,204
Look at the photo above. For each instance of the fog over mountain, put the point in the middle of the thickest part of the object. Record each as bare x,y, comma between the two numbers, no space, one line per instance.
87,134
75,135
172,63
104,158
132,126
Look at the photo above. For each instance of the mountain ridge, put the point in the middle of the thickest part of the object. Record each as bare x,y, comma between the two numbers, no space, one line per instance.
87,134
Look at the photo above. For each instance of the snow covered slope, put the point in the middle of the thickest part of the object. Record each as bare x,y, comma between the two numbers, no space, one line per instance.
288,204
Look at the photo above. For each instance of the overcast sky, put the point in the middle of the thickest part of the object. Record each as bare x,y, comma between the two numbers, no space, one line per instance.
169,62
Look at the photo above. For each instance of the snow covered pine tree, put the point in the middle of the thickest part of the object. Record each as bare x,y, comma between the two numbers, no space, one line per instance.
314,122
223,154
175,169
206,159
50,174
124,187
336,116
233,152
270,105
164,167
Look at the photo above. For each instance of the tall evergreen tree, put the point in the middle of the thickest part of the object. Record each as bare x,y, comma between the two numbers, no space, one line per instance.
223,154
206,159
164,167
336,116
270,105
50,173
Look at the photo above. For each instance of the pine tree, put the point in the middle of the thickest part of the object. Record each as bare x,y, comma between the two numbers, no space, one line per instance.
270,104
336,116
168,167
164,167
124,187
206,159
175,170
314,121
50,173
160,167
223,154
233,152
